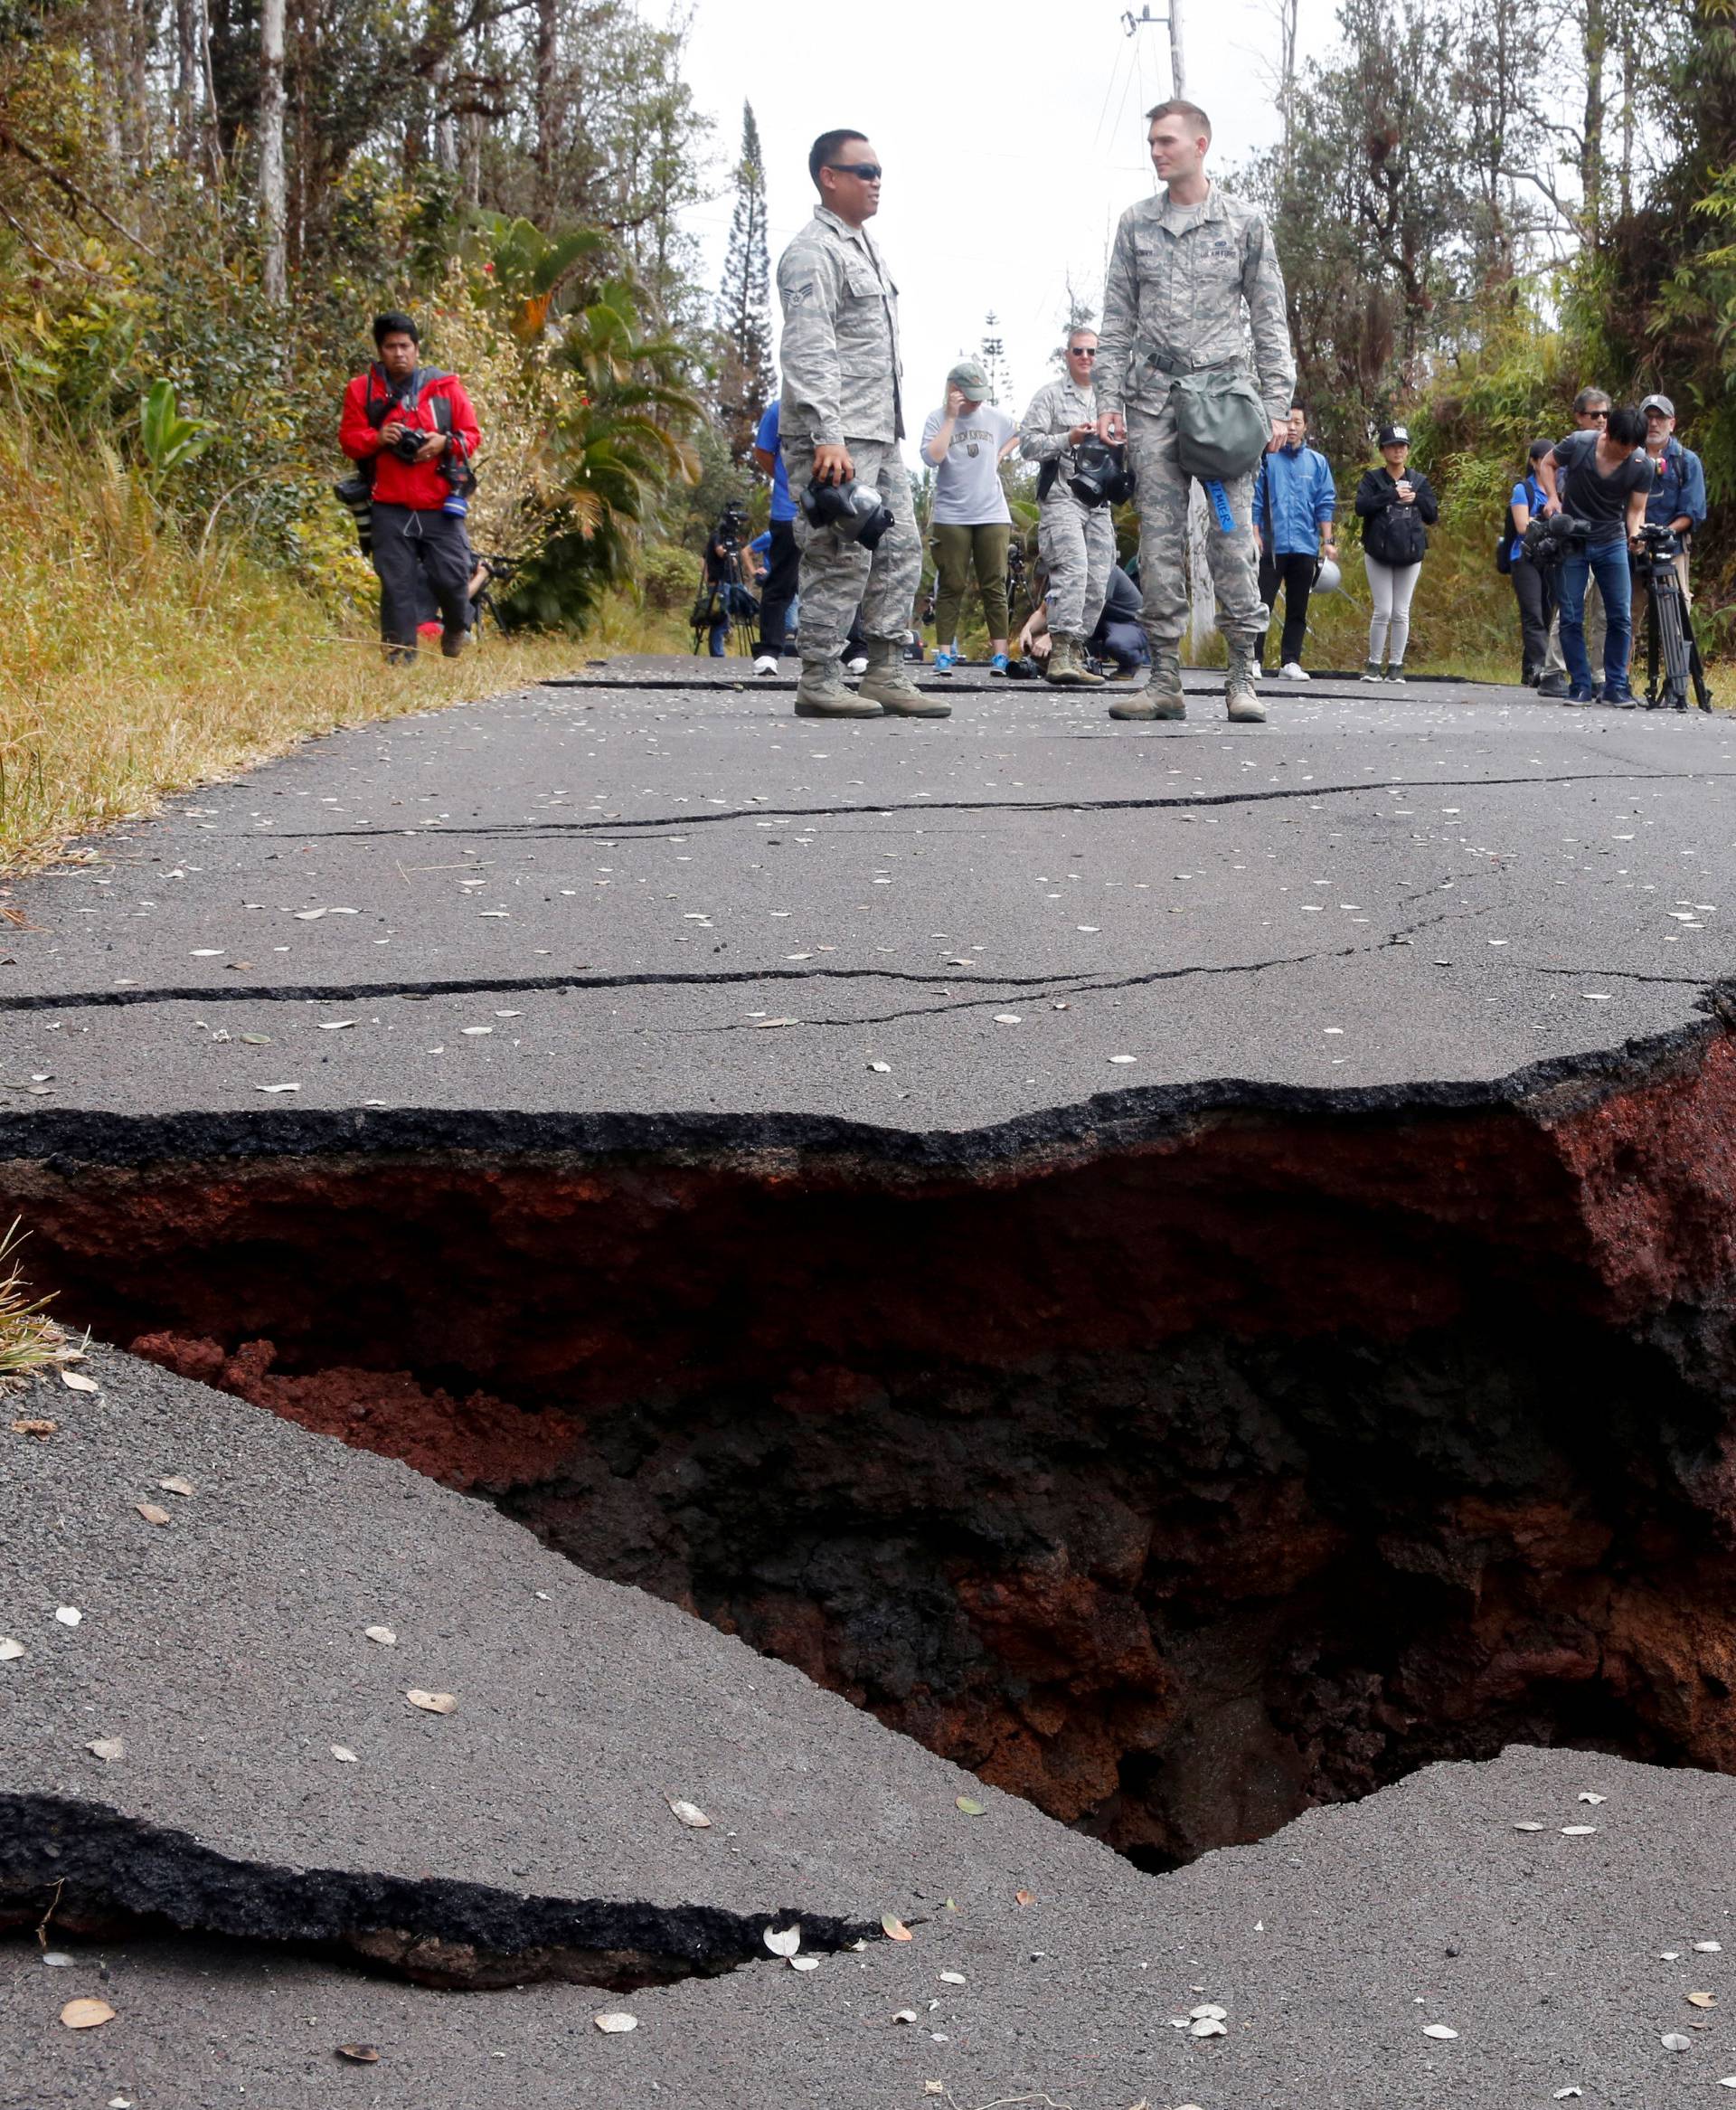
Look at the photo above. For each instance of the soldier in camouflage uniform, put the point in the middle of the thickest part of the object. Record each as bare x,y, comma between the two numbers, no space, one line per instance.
1076,542
1190,271
840,417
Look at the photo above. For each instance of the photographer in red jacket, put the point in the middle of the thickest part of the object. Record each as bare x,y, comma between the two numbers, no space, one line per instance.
411,432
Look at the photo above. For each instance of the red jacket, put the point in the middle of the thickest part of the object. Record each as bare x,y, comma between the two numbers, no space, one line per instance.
420,484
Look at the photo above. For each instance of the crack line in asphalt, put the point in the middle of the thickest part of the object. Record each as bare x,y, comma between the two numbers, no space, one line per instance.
528,985
1074,987
1187,801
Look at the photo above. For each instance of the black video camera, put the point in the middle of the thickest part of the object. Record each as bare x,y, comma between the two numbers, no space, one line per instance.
1554,536
731,524
1659,544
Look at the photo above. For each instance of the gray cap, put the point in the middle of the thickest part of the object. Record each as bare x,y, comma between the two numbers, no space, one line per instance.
1659,403
969,376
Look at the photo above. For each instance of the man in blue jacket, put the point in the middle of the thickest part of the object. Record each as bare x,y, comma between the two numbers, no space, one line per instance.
1293,502
1677,501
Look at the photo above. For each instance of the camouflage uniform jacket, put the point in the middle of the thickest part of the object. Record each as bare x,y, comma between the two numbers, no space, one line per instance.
1184,283
1054,411
839,351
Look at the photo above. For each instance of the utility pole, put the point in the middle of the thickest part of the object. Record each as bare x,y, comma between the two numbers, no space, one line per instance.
1132,23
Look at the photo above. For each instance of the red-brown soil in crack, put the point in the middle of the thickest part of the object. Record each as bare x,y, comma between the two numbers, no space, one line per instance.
1176,1488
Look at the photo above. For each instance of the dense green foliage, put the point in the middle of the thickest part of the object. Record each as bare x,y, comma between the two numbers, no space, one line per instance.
1481,208
509,174
1478,208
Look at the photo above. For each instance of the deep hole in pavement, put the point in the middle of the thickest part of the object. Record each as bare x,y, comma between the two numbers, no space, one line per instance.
1177,1485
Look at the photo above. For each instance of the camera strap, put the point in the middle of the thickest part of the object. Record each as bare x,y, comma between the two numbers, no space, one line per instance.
409,398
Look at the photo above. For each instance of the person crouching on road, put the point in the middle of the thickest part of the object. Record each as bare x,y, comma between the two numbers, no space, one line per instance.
1075,541
410,430
1193,282
1293,503
964,444
840,420
1396,505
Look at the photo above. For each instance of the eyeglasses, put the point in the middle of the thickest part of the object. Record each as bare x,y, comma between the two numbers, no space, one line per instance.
869,172
1081,351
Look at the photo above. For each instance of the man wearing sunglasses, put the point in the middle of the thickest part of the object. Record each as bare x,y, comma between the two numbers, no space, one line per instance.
1192,270
1075,541
841,419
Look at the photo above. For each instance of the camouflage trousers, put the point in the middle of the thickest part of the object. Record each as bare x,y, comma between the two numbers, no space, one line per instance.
1077,545
836,573
1161,500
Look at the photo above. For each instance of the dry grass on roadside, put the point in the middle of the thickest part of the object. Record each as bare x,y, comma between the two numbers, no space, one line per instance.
135,664
29,1338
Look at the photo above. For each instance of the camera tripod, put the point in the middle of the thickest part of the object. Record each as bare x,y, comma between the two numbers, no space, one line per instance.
1669,629
1016,572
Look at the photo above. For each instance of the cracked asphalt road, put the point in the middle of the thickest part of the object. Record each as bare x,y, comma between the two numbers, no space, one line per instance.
225,1650
611,896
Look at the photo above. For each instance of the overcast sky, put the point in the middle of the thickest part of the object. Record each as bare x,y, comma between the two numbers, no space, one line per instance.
1011,137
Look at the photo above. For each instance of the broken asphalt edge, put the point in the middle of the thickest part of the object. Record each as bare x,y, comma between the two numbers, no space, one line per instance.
85,1865
1103,1124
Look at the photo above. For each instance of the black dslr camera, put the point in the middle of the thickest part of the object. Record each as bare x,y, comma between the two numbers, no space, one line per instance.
409,444
1554,536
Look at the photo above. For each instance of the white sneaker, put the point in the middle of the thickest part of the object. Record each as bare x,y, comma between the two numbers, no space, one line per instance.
855,666
765,664
1293,671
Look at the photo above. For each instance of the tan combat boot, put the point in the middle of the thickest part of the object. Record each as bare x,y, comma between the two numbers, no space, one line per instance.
1240,699
888,685
821,693
1162,696
1066,666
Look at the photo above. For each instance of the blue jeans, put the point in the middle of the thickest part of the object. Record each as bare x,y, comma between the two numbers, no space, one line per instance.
1608,561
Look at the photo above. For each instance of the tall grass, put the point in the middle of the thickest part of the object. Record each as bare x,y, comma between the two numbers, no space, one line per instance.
140,657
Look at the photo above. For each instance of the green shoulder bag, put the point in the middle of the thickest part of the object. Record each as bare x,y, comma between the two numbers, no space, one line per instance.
1220,423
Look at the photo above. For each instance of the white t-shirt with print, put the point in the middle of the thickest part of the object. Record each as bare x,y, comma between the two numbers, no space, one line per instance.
968,490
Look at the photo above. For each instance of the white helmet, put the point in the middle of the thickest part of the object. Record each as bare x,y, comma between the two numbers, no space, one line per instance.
1328,578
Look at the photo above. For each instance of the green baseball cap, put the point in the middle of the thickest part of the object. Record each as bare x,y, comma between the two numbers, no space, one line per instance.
969,376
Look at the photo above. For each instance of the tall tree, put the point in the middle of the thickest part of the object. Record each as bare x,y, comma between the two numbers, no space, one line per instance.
993,353
273,216
746,380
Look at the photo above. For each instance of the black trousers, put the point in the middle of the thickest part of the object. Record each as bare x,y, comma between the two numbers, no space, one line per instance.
778,589
411,548
1533,588
1296,575
1124,643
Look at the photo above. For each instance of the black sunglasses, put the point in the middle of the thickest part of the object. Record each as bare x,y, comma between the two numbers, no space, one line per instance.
1081,351
869,172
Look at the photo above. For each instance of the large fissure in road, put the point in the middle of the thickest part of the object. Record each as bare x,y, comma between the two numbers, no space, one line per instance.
1178,1473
